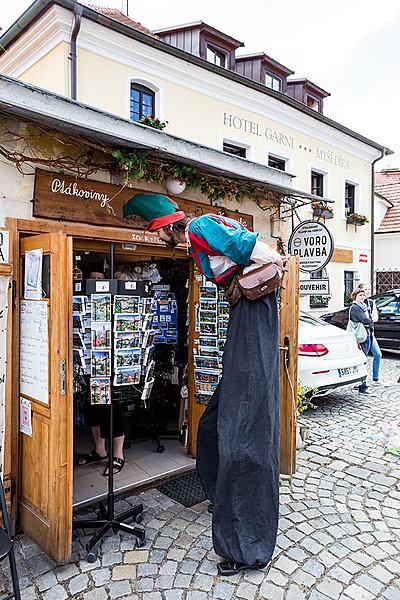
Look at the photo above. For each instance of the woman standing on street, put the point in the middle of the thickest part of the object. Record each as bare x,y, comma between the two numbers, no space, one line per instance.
374,346
361,324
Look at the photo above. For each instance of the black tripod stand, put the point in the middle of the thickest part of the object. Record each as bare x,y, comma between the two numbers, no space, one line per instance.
106,517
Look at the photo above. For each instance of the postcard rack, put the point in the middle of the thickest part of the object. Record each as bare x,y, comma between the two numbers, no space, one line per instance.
121,341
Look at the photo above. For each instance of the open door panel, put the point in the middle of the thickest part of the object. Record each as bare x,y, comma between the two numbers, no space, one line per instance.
45,384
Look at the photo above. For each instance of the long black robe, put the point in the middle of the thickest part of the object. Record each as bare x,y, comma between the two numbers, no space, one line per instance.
238,438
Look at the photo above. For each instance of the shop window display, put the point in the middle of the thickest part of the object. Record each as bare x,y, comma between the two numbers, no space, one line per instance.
131,348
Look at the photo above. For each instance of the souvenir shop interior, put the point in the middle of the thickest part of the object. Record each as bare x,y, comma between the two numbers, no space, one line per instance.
130,346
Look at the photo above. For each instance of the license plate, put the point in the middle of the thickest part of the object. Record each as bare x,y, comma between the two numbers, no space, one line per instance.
346,371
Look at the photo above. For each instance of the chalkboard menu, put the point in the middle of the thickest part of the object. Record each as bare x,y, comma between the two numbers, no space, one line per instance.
34,350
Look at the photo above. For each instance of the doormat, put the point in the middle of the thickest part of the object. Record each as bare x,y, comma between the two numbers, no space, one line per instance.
185,489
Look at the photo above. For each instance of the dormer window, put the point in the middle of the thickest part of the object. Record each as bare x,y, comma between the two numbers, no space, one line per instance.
313,103
216,56
273,81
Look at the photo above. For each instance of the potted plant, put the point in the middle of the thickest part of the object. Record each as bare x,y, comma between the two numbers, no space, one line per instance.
356,219
321,209
152,121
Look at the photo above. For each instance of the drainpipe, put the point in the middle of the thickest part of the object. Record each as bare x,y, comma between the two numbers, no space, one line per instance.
372,273
78,9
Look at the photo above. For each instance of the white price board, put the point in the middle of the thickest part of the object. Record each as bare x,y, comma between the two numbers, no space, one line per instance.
34,350
312,242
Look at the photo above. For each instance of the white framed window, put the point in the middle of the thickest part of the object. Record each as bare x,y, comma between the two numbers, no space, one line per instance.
273,82
236,147
351,197
216,56
277,162
351,280
143,98
313,103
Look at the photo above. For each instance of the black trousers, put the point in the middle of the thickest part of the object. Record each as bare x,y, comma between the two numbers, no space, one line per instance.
238,438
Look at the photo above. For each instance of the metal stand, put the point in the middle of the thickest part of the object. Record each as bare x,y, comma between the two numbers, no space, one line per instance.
106,517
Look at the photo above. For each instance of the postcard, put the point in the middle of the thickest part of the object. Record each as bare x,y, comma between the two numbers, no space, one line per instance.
147,321
221,345
205,351
100,390
149,373
127,340
208,304
128,305
126,323
223,308
101,307
206,387
208,328
101,334
206,376
206,362
130,357
148,355
77,323
208,292
147,305
77,339
202,397
79,358
101,363
209,342
79,305
127,376
206,316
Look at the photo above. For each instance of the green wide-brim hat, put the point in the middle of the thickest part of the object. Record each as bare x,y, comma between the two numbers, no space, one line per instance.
159,210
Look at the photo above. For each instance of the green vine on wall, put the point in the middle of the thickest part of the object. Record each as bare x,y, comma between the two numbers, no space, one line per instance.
136,165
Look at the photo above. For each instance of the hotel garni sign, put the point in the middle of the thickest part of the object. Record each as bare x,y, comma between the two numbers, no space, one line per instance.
283,139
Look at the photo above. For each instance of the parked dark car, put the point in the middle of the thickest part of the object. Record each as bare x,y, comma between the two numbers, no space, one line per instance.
387,329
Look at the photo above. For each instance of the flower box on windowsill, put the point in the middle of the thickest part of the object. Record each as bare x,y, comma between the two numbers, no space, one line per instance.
325,214
354,221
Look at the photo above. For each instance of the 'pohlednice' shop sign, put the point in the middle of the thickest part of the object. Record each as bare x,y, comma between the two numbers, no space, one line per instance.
284,140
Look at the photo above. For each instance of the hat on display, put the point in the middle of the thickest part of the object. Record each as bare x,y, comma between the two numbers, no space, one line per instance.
159,210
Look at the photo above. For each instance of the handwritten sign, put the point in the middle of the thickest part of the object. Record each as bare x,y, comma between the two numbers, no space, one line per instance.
34,350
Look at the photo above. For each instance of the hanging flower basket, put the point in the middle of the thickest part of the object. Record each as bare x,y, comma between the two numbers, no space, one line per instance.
356,219
320,209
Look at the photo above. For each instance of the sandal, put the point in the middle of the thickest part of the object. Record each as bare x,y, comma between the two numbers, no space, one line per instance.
232,568
92,457
118,465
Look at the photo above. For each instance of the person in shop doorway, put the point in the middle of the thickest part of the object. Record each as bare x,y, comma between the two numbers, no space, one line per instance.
238,437
97,418
374,346
361,324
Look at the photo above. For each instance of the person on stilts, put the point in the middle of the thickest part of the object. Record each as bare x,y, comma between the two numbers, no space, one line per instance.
238,437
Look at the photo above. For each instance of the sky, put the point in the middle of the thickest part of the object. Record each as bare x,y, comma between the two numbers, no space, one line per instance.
350,48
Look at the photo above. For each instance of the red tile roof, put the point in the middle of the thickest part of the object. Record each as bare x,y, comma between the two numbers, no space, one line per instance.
387,183
117,15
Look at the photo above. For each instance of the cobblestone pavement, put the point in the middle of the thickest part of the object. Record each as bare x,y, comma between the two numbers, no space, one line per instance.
339,530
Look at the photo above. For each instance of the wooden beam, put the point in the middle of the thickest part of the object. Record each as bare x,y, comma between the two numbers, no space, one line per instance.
289,320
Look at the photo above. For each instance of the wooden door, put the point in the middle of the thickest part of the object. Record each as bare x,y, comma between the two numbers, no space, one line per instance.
45,381
195,410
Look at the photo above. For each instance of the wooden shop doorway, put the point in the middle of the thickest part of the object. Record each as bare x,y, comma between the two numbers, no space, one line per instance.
43,465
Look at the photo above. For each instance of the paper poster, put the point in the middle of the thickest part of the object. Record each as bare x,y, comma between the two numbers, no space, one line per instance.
34,350
33,274
25,416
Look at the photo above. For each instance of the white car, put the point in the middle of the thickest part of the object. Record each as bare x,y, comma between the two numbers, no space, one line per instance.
328,356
